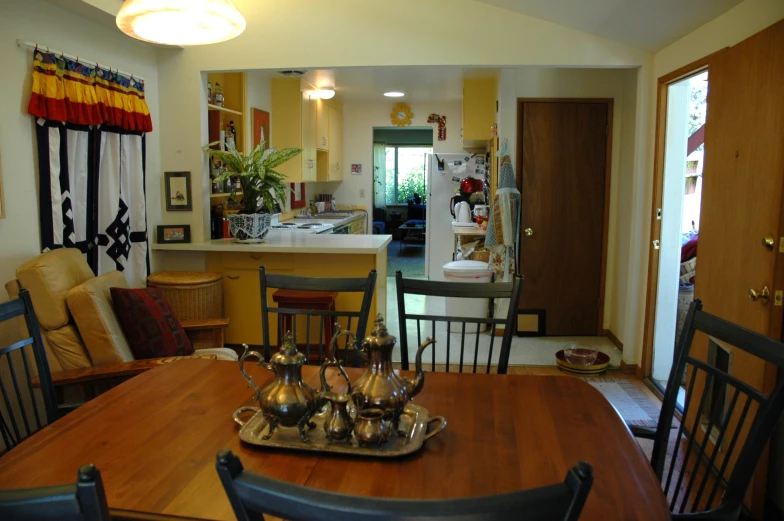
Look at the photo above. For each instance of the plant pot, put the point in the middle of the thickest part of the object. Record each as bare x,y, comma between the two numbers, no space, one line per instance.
249,228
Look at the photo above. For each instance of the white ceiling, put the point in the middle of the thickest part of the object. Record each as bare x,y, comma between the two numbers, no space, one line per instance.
444,83
647,24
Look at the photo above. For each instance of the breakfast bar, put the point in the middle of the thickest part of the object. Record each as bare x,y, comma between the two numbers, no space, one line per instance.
307,255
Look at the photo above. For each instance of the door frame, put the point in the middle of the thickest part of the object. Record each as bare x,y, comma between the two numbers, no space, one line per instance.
607,181
662,85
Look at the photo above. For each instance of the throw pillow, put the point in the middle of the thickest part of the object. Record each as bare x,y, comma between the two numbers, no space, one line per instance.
149,324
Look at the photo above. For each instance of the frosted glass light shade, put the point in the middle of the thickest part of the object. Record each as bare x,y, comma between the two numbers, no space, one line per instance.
327,93
181,22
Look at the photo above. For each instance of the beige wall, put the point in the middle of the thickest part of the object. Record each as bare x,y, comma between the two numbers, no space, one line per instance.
359,118
41,22
328,37
620,85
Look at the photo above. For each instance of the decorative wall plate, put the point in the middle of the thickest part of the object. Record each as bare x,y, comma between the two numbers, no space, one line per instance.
401,115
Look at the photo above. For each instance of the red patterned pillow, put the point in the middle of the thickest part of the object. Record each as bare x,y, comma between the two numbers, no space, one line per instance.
149,324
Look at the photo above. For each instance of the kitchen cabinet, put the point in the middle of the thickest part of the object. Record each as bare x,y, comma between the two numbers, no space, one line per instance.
242,302
479,111
293,121
234,86
330,162
356,227
322,125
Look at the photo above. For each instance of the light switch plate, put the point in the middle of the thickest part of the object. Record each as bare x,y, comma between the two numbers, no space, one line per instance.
361,193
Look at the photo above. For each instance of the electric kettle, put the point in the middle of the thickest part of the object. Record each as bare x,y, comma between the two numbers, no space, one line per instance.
463,212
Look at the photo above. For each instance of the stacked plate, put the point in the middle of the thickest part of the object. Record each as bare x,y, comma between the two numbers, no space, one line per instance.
582,360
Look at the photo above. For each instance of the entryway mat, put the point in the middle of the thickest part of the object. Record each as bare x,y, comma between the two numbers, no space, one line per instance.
632,404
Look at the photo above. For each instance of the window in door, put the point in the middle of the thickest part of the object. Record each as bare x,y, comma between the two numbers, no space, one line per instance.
405,173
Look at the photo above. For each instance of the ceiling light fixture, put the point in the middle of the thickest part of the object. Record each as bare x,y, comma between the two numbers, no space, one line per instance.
394,94
326,93
180,22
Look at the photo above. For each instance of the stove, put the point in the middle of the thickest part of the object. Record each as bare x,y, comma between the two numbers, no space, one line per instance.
307,227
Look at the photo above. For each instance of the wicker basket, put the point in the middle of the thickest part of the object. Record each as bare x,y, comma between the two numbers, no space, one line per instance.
481,255
193,295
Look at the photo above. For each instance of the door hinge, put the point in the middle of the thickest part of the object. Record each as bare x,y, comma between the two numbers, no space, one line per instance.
658,214
656,244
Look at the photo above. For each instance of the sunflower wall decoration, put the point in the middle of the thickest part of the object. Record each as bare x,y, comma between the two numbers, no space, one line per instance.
401,115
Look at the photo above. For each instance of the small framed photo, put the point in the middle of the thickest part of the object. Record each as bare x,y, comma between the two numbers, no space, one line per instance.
178,191
174,233
356,169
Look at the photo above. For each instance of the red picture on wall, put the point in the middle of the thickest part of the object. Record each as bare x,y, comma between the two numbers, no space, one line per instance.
261,128
297,195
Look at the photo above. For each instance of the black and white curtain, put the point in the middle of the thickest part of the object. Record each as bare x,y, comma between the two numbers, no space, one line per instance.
92,196
90,127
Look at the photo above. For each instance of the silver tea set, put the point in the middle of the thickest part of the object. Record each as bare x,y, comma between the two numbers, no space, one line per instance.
377,398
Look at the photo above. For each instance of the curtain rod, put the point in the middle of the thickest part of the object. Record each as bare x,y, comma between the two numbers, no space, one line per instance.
34,45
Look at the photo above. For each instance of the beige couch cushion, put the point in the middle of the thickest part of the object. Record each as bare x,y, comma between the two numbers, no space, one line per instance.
67,346
91,305
48,278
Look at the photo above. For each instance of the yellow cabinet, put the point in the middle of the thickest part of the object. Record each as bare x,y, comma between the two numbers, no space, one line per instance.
322,125
479,111
357,227
293,122
330,162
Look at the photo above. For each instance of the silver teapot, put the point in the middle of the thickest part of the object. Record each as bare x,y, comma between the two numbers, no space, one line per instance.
381,387
288,401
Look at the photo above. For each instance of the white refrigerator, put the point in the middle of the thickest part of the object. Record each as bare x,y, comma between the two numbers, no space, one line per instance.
444,172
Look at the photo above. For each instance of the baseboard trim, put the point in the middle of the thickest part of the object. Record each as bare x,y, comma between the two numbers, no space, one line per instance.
634,369
614,339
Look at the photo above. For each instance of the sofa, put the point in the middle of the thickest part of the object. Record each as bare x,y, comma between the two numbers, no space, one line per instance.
82,336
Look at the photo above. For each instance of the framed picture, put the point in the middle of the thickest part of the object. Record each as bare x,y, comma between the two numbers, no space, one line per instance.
174,233
261,128
178,191
297,195
356,169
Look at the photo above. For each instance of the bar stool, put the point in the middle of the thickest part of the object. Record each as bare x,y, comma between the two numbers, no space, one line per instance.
313,300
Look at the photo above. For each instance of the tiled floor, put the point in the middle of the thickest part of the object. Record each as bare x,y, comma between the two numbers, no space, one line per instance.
535,351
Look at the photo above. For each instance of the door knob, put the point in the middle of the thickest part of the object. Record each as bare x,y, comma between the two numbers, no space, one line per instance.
528,232
762,295
769,242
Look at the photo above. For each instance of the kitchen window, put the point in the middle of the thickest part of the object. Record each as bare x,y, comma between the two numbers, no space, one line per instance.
405,165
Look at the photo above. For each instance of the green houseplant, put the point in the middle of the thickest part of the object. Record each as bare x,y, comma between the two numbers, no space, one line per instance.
261,187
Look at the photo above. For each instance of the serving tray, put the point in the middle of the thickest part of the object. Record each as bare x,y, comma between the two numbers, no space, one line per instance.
414,422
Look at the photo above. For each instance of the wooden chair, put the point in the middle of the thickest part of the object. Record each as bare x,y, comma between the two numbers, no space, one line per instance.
726,408
447,335
83,501
21,416
355,321
252,495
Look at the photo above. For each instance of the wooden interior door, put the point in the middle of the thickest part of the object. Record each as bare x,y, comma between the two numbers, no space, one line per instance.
741,202
563,163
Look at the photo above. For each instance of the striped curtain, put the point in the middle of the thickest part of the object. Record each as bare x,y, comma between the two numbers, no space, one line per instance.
91,162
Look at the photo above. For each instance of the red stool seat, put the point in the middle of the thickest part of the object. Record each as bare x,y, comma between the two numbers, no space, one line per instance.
315,300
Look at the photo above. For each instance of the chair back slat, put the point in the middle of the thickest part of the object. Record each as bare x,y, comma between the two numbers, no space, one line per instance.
453,332
83,501
316,345
19,414
708,453
252,495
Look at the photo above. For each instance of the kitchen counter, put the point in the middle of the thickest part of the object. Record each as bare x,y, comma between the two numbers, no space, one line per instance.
286,253
327,220
291,242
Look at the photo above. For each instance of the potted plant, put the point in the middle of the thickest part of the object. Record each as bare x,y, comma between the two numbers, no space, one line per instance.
261,186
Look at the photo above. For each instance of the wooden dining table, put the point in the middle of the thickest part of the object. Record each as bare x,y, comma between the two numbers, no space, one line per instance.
155,437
